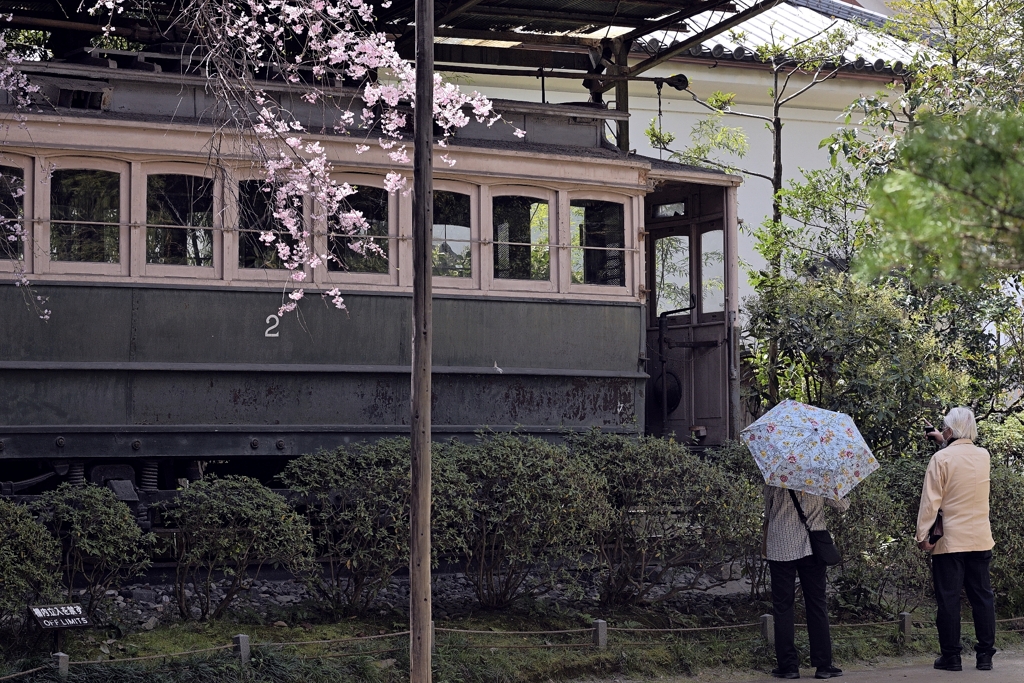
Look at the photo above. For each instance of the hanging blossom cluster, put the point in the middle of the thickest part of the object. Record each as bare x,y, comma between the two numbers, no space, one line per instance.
257,50
12,229
12,81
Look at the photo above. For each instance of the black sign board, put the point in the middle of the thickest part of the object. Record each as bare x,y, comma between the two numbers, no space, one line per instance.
60,616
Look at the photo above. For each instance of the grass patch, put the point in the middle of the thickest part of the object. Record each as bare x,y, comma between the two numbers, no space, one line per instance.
495,656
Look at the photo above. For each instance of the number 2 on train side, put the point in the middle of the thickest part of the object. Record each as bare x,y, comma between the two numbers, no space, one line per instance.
276,321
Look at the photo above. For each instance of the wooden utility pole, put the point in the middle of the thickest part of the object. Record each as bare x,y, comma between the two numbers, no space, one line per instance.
422,267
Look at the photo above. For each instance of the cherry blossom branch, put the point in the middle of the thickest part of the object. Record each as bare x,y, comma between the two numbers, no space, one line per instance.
255,50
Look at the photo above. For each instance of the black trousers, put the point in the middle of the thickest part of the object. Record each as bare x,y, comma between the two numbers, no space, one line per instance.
812,583
953,572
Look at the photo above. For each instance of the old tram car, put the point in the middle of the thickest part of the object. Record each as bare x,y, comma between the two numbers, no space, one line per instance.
575,286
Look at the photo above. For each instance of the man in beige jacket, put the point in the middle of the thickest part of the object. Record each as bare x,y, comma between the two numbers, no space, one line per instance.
957,484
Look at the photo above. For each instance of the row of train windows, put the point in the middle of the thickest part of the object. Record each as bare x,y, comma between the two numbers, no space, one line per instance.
85,227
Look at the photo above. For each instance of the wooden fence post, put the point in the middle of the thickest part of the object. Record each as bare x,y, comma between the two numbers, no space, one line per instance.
601,634
241,642
768,628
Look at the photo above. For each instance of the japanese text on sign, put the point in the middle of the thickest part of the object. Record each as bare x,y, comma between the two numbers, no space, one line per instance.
60,616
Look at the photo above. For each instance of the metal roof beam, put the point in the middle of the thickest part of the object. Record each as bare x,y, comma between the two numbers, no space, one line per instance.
528,14
516,37
504,56
409,35
697,39
134,33
660,24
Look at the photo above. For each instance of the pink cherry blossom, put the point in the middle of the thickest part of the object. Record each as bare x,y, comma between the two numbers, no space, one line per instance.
340,42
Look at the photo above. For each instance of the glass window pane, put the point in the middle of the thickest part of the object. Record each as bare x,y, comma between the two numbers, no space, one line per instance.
598,241
179,200
672,272
363,253
521,238
670,210
85,212
12,212
453,253
712,271
256,208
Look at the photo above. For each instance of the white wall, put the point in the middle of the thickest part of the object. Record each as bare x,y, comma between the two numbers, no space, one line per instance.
808,120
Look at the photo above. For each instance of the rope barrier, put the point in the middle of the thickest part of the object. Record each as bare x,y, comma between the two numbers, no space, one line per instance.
869,623
648,643
336,640
22,673
524,647
139,659
659,643
679,630
334,655
515,633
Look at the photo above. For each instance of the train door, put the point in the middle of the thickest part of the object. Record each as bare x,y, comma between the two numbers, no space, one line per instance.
689,327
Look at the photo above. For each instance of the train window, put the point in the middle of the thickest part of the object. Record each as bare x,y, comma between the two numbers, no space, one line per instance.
179,215
673,210
256,208
85,212
453,253
363,253
672,272
12,212
712,271
598,242
521,238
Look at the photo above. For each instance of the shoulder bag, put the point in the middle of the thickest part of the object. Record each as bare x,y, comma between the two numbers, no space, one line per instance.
822,545
935,533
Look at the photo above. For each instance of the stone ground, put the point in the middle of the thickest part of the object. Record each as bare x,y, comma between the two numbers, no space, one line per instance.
1008,667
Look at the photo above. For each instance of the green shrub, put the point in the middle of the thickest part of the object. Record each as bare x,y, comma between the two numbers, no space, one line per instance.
1005,504
535,508
230,526
28,563
101,542
883,572
356,499
734,458
1004,439
676,522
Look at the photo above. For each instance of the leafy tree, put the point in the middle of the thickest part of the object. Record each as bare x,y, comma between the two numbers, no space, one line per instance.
29,558
101,542
796,67
859,349
232,527
954,207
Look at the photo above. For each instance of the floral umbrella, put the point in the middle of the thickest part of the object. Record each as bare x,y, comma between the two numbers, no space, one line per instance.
797,446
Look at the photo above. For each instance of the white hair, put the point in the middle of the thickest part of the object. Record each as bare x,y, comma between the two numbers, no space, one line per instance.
961,422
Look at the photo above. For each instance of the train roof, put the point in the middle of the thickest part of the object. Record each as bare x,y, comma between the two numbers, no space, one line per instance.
658,169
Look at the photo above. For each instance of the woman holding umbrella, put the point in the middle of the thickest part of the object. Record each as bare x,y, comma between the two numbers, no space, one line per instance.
809,458
789,553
